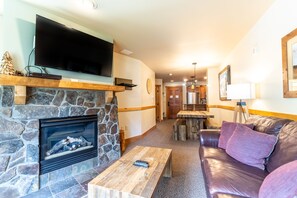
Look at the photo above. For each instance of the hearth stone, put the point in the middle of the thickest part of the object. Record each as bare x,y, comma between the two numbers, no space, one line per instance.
13,127
76,111
92,111
9,192
57,101
4,163
7,97
10,146
19,135
6,112
71,97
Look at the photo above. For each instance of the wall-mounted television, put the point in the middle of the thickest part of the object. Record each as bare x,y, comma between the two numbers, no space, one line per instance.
60,47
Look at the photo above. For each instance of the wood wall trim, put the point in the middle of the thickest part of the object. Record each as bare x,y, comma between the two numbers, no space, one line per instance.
221,107
127,109
259,112
136,138
7,80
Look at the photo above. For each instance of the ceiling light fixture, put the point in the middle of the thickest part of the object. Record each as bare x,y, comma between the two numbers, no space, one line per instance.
91,4
193,82
126,52
170,74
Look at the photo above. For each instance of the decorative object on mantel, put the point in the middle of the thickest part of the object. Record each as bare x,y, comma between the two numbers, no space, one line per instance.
6,65
224,80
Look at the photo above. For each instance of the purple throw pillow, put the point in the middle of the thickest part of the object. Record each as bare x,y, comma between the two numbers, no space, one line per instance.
227,130
282,182
250,147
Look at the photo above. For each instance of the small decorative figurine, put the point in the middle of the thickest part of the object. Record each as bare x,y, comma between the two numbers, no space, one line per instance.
6,66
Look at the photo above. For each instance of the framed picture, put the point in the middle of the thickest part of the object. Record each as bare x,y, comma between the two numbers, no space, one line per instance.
224,80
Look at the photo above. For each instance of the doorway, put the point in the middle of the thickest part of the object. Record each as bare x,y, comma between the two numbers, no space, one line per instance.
158,102
174,99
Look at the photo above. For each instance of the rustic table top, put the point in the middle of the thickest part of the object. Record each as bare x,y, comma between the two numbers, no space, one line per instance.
194,114
123,179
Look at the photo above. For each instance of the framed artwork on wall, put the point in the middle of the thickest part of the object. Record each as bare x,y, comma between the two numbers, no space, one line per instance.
224,80
289,59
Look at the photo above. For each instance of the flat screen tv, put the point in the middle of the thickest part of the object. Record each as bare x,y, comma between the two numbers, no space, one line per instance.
60,47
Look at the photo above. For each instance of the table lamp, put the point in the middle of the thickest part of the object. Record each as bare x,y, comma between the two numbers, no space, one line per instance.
241,92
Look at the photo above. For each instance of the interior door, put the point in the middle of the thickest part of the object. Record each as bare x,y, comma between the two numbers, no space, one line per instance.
174,101
158,102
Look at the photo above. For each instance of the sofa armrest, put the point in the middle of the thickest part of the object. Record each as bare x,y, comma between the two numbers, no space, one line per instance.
209,137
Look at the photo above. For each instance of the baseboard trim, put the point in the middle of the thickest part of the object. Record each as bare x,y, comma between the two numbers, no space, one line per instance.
136,138
259,112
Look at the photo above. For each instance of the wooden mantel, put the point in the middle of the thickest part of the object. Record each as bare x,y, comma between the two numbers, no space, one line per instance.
21,82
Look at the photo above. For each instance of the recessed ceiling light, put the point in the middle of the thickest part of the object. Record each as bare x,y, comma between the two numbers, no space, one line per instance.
170,74
126,52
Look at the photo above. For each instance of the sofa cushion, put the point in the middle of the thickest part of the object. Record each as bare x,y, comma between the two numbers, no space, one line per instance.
250,147
265,124
227,131
286,149
215,153
282,182
232,177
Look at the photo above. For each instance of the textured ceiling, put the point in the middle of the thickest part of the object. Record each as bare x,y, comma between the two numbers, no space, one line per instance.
168,35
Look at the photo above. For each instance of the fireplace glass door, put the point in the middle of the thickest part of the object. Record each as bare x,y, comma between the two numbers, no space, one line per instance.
66,141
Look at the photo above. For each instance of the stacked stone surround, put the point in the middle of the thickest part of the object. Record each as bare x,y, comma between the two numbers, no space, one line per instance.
19,135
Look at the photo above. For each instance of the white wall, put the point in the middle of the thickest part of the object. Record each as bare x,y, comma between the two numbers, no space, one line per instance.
258,58
18,28
137,122
1,36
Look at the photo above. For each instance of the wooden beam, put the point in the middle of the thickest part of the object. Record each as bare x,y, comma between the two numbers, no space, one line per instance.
259,112
127,109
7,80
20,93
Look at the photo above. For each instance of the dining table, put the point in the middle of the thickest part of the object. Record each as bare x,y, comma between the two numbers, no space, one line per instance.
195,120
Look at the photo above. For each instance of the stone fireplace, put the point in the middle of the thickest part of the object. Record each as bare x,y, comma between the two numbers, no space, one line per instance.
22,129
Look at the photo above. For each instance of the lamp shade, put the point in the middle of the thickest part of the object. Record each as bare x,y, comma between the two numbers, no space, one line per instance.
241,91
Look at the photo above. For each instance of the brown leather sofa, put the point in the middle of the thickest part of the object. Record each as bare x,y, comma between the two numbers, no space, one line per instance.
226,177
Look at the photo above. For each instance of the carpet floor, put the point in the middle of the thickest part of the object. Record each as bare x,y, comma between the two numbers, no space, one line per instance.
187,180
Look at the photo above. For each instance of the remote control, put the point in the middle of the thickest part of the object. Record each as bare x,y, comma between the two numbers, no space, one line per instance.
141,163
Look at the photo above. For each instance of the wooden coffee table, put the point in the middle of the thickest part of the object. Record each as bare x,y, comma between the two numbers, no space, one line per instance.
123,179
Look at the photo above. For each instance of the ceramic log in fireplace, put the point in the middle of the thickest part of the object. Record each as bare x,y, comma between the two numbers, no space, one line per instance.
66,141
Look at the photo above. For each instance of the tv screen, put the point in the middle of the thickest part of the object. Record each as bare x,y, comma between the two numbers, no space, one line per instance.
60,47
